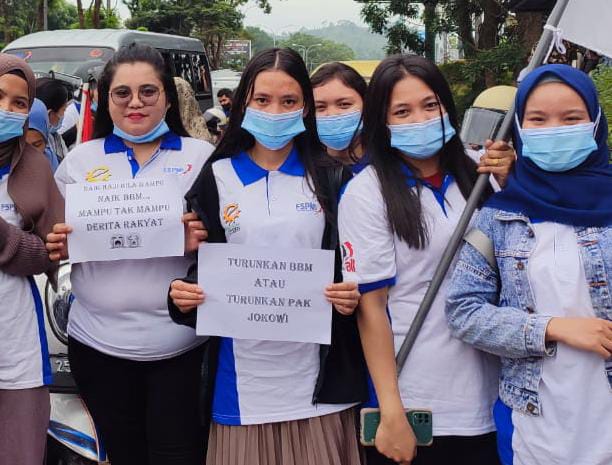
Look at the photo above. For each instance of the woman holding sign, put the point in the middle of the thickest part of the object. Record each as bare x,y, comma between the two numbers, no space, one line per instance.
29,206
137,371
541,299
395,220
269,184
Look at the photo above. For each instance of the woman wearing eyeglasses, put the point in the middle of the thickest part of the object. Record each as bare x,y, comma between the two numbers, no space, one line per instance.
138,372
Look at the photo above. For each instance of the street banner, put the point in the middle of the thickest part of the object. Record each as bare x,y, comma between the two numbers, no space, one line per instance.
588,23
265,294
129,219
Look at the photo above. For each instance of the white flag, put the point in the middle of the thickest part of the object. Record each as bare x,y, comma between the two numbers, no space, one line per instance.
589,23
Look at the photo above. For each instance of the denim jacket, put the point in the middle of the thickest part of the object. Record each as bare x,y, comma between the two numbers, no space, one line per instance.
494,309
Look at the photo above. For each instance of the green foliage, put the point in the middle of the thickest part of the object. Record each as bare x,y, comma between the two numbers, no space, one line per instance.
212,21
108,20
392,19
365,44
62,15
603,80
317,54
260,39
466,77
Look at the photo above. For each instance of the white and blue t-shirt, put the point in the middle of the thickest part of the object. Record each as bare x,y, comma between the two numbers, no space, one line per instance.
573,425
24,356
457,382
120,307
267,381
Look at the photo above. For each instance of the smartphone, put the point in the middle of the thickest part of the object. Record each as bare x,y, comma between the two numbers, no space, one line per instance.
419,419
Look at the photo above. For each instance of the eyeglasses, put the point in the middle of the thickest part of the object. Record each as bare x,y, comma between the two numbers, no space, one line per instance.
147,94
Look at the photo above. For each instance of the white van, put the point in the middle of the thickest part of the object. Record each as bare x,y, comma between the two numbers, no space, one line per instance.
77,52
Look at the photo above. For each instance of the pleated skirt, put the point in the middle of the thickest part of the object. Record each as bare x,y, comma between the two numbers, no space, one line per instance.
326,440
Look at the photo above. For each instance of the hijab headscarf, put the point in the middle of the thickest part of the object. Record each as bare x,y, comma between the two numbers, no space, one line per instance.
581,196
14,65
30,183
191,115
39,121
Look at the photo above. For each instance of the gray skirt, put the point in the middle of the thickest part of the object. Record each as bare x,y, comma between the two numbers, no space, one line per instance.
326,440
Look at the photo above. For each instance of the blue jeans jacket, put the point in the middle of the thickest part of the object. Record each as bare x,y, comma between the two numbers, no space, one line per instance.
494,309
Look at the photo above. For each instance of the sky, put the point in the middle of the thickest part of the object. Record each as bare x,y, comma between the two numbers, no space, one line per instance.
287,15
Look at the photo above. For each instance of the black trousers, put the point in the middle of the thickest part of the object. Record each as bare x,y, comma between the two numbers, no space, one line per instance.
147,413
448,450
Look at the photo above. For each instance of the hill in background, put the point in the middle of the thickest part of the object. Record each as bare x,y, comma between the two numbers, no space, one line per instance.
365,44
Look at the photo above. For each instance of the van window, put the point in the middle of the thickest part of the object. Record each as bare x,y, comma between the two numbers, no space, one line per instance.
76,61
202,78
183,66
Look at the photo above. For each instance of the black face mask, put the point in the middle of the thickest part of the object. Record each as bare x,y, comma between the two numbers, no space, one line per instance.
227,106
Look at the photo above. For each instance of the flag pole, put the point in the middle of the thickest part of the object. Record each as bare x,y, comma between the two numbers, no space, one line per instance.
472,203
84,102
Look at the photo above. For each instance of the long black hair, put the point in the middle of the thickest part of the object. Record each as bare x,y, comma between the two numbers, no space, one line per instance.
403,204
137,53
351,79
52,92
236,139
347,75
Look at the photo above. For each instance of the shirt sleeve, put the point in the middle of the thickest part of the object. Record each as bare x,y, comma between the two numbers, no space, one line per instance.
62,177
367,244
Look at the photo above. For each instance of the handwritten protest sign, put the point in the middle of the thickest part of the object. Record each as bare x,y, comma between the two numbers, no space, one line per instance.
130,219
265,294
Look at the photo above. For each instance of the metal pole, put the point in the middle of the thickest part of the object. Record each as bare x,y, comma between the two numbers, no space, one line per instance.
472,202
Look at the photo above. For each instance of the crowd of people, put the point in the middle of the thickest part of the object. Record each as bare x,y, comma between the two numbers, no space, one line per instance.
514,360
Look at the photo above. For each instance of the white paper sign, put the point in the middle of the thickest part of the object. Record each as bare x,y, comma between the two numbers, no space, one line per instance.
128,219
587,23
265,294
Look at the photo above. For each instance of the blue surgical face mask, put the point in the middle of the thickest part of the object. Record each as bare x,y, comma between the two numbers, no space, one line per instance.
337,131
155,133
421,140
559,148
11,124
53,129
273,130
94,106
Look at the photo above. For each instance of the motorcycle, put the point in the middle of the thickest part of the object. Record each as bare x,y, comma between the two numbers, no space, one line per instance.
72,438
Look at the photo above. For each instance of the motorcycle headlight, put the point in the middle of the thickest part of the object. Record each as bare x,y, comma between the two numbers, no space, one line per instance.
57,304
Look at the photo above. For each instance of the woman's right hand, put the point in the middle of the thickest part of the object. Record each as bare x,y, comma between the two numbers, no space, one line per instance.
589,334
186,296
395,438
57,242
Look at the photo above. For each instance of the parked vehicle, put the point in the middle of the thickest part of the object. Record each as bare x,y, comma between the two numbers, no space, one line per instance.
79,51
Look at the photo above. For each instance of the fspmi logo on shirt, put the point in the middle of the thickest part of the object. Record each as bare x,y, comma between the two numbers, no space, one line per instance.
7,208
231,213
308,207
348,257
182,170
99,174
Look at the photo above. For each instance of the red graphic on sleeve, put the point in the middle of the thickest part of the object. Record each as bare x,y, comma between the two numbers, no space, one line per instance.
348,257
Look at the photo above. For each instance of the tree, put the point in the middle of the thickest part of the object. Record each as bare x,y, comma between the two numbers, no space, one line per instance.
316,50
62,15
260,39
393,19
81,14
212,21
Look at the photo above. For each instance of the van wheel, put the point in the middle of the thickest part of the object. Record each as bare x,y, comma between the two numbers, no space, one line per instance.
58,454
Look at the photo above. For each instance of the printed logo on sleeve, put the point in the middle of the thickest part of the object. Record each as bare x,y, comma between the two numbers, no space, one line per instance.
99,174
231,213
348,257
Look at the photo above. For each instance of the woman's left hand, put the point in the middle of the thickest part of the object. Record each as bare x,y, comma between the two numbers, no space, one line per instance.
498,160
195,232
343,296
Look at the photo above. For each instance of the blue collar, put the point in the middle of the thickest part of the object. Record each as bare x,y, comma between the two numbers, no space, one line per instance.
249,172
439,193
114,144
4,170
